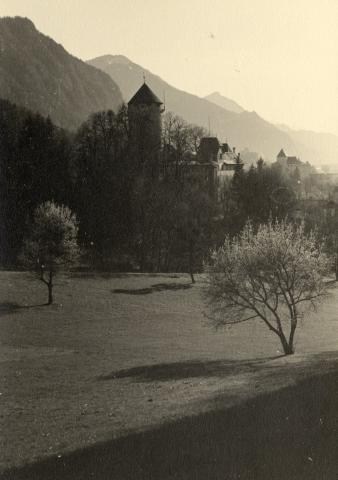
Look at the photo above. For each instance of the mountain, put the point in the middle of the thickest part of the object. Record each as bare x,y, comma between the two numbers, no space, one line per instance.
41,75
326,143
243,130
224,102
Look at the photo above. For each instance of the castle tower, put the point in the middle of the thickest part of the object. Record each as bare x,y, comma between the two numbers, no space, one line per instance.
144,116
281,157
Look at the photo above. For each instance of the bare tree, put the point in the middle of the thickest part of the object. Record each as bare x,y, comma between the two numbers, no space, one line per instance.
51,243
274,274
180,139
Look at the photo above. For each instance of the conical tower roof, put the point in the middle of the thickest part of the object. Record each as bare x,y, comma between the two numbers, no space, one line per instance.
144,96
281,154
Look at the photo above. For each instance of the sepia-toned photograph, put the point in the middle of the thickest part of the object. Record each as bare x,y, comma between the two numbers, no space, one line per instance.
168,240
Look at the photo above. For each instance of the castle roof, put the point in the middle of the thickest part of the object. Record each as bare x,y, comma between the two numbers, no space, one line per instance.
144,96
281,154
293,161
231,161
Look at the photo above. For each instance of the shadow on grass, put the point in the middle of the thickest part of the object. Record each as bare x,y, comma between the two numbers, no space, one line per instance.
283,435
158,287
189,369
111,275
9,307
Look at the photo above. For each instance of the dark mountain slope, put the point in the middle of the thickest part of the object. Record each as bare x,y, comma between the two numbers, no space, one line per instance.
41,75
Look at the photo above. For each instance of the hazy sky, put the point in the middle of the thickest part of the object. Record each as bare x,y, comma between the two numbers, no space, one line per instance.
277,57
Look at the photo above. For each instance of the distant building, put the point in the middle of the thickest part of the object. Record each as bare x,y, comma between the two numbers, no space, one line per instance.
221,156
211,167
292,165
228,161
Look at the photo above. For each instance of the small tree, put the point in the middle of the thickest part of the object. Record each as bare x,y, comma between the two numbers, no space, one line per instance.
51,243
274,274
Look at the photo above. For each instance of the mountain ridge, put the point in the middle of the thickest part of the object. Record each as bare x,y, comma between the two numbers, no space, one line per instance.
243,129
240,129
38,73
224,102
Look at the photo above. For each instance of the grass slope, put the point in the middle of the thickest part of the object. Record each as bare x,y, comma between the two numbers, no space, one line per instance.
126,367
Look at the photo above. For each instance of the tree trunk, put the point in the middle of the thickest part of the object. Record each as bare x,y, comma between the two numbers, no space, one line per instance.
50,294
289,350
191,260
292,334
159,254
50,288
49,284
287,346
142,258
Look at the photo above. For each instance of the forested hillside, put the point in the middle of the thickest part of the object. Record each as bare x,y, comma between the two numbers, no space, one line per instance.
34,167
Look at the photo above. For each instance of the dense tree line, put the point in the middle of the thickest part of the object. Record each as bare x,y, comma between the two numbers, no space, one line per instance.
261,193
35,159
101,182
128,218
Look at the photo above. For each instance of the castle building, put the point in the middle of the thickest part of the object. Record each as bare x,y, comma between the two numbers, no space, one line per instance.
224,159
290,165
214,163
144,116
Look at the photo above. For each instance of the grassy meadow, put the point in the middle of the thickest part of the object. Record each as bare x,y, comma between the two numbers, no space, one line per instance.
120,356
